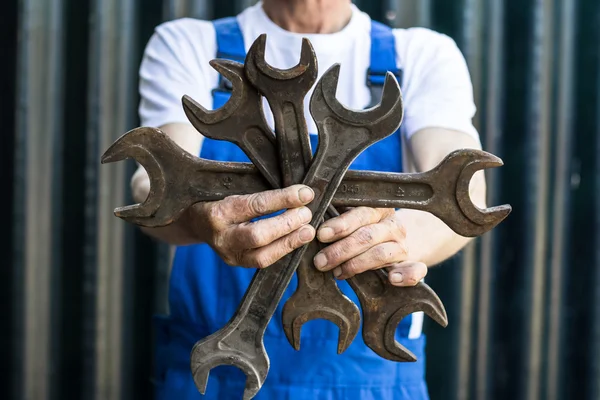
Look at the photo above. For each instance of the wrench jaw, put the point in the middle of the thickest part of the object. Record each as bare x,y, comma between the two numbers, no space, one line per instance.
464,217
139,144
384,117
347,320
212,352
307,66
424,299
411,299
197,114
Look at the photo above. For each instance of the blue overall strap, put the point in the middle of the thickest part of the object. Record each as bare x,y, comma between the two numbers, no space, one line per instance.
383,59
230,45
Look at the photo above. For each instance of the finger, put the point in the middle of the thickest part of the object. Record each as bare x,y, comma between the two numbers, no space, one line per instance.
407,273
342,226
357,243
237,209
376,257
270,254
252,235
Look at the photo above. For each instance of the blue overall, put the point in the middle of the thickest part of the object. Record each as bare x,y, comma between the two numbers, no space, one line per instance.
204,294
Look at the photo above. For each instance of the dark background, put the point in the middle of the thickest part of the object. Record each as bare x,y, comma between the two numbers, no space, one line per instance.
78,287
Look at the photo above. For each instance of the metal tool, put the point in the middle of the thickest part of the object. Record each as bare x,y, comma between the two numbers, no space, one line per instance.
240,342
331,304
177,178
317,295
285,90
193,180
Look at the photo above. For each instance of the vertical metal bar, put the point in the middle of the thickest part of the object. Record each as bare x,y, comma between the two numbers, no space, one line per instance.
465,322
492,134
470,44
10,299
174,9
560,196
240,5
39,131
538,142
407,13
111,109
594,363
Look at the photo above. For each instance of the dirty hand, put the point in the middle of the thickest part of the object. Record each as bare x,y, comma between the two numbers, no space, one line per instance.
226,225
367,238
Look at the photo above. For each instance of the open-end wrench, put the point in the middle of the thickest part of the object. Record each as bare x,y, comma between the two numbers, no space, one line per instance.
285,90
441,191
328,302
240,342
414,193
240,120
177,178
317,295
173,170
316,291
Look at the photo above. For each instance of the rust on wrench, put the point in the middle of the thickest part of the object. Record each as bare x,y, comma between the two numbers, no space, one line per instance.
331,304
240,342
177,178
285,91
317,295
440,191
240,121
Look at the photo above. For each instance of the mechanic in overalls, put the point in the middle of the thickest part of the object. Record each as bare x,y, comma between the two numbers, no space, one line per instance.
215,240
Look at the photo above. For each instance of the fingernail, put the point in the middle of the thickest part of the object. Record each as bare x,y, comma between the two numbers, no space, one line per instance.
306,194
397,277
325,233
306,234
305,214
320,260
337,271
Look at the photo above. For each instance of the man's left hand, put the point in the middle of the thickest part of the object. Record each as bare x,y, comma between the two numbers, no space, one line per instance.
367,238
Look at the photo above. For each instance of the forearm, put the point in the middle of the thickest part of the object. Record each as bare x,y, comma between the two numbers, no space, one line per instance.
179,232
428,239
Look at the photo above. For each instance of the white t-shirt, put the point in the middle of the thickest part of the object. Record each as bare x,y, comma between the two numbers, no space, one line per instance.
437,90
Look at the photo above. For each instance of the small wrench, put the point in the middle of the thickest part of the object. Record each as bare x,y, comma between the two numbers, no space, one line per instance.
240,342
317,295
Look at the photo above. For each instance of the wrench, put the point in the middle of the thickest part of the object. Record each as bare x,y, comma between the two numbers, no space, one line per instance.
303,303
317,291
317,295
331,304
177,178
240,342
173,170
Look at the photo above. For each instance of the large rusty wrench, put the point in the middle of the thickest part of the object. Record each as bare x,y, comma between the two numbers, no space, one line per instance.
316,290
442,191
240,342
317,295
331,304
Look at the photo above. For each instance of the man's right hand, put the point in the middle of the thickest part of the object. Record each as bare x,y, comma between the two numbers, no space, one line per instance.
227,227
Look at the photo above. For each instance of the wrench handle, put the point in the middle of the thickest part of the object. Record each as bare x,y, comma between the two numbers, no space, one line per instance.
292,139
259,146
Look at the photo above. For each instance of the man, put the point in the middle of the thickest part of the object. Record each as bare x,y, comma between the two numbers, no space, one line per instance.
205,288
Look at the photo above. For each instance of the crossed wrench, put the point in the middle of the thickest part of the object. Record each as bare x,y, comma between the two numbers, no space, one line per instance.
441,191
373,284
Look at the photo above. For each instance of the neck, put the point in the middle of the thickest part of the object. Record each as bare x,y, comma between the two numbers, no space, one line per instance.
309,16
